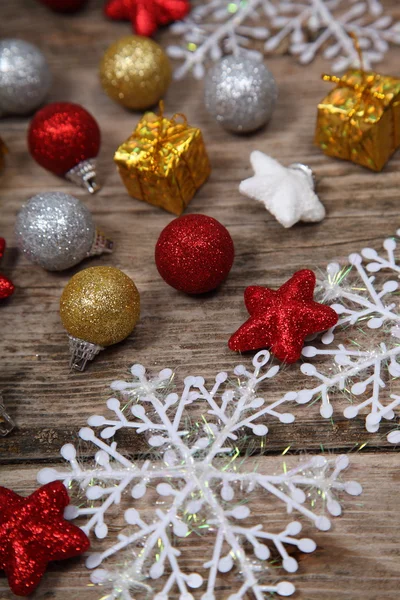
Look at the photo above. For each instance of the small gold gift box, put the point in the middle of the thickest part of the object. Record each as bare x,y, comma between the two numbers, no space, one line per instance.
164,162
359,120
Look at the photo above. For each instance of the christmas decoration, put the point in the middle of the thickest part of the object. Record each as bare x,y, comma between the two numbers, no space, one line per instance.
194,254
64,6
359,120
202,483
240,93
287,193
99,307
64,138
282,319
147,15
6,286
6,422
164,162
135,72
360,356
33,532
3,152
308,28
56,231
25,77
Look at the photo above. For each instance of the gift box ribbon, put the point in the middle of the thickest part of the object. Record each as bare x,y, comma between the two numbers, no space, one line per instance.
159,143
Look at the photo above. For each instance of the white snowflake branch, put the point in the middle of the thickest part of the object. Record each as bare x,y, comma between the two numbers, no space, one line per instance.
231,26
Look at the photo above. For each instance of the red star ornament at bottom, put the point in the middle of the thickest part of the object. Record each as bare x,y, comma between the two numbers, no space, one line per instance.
33,532
282,319
6,286
147,15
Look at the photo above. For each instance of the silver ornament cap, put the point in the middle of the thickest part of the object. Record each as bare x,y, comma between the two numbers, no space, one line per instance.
84,175
56,231
307,172
6,422
81,353
240,93
25,77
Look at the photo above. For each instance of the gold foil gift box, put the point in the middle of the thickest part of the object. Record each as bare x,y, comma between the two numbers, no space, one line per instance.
359,120
164,162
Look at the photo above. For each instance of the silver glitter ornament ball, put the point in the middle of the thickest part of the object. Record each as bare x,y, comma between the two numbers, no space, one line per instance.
240,93
55,230
25,77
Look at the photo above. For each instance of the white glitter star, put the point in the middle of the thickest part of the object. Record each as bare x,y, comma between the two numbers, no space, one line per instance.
287,193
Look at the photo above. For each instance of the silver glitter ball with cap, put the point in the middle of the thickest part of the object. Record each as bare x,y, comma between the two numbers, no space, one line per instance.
56,231
240,93
25,77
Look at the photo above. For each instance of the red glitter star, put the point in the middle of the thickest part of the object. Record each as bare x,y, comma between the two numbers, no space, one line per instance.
282,319
147,15
33,532
6,286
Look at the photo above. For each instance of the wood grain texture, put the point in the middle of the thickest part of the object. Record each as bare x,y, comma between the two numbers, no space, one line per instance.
358,559
189,334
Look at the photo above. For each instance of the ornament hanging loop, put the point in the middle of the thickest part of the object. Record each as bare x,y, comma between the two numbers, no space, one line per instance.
357,47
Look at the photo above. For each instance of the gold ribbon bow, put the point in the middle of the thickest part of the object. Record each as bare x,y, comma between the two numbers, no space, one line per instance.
160,137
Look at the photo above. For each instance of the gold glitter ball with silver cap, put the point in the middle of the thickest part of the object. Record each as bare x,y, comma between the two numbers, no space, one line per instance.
57,231
25,77
240,93
99,307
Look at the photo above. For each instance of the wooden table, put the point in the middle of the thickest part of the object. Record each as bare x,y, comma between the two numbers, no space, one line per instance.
359,558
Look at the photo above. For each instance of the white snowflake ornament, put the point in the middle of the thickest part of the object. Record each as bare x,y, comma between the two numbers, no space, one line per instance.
202,485
307,27
287,193
367,362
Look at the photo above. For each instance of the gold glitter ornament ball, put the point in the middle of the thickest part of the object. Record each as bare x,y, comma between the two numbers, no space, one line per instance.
100,305
135,72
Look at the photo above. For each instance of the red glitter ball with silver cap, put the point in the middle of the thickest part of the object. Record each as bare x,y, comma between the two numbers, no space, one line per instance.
6,286
33,532
63,6
282,319
194,254
63,137
147,15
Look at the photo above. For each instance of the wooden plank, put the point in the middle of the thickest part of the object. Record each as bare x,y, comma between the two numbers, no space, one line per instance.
186,333
357,560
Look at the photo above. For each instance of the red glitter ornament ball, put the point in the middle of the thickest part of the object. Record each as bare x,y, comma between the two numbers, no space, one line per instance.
194,254
282,319
33,532
6,286
147,15
62,135
65,6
